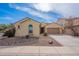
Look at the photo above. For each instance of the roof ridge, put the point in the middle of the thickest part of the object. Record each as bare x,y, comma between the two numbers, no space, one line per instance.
52,23
24,19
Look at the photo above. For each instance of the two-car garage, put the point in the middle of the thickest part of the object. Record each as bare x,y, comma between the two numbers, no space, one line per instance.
54,28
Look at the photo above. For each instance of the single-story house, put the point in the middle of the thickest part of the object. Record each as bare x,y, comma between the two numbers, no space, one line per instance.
29,26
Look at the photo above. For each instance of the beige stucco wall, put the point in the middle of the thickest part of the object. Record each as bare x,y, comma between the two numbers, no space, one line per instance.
43,24
78,29
23,30
76,22
68,31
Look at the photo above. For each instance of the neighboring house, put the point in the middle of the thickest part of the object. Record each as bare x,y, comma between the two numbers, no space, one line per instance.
71,25
61,21
29,26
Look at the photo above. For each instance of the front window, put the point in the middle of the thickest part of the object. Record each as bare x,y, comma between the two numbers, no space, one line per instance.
30,28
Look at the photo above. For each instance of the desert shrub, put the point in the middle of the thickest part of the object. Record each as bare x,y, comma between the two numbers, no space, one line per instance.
10,33
45,34
27,36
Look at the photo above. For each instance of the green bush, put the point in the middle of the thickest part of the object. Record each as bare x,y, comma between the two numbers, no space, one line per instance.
10,33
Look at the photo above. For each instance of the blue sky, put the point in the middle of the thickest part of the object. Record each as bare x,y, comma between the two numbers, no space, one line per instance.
42,12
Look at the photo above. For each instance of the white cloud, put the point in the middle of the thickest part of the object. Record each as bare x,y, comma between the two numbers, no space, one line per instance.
45,7
31,11
64,9
39,14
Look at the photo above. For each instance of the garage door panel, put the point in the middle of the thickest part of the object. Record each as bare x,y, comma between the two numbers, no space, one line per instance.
53,31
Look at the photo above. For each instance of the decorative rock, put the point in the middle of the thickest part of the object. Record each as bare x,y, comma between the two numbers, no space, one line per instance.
51,42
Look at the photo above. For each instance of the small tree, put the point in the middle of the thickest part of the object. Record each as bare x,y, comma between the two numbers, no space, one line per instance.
10,32
3,27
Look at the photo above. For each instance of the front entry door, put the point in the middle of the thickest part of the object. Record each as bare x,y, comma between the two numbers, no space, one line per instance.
42,30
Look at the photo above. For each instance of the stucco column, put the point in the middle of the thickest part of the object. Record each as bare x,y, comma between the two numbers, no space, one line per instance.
60,30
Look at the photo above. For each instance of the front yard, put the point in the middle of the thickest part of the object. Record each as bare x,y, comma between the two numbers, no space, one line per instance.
58,40
63,45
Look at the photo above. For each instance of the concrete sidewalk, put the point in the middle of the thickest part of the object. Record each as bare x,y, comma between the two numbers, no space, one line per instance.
38,51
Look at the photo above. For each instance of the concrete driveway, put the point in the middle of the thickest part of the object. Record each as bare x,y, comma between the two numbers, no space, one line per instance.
66,40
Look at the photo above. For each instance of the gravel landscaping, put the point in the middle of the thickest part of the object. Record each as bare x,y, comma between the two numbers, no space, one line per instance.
22,41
